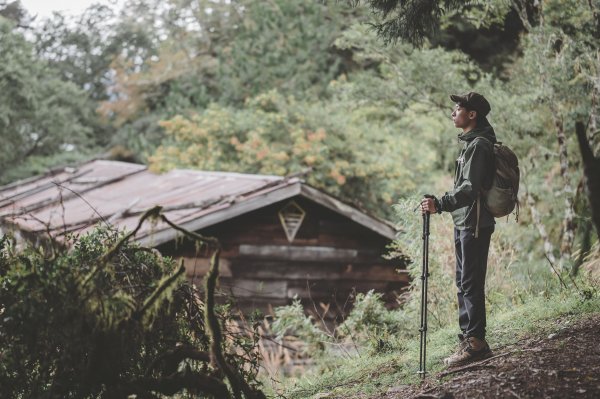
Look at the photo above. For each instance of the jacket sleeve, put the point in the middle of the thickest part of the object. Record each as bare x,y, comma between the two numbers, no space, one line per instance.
473,174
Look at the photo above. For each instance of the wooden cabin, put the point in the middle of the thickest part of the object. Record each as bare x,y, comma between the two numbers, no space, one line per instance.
281,238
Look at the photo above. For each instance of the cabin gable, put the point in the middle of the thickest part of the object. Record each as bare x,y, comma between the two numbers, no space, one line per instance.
329,260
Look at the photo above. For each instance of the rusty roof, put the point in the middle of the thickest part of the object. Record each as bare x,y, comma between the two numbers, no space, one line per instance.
74,200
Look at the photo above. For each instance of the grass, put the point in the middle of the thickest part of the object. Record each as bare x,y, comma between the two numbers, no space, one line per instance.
371,375
523,295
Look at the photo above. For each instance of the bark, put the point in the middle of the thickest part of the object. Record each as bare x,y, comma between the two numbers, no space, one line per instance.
596,18
568,230
591,172
548,247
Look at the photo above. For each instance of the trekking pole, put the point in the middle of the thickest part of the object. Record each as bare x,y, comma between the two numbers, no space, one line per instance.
424,276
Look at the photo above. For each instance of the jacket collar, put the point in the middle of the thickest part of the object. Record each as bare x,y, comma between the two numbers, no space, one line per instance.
484,131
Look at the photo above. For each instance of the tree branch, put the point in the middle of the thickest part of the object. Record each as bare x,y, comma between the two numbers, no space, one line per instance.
176,356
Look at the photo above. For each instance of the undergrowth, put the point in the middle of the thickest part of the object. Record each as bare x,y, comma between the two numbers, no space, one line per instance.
375,348
376,373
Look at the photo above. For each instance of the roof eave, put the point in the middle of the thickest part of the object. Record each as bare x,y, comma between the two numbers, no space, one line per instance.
378,226
235,209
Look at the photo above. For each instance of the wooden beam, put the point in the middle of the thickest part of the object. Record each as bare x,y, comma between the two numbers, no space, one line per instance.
240,288
305,271
198,267
293,253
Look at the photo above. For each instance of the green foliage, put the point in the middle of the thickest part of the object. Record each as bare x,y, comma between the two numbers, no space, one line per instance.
370,323
76,328
279,87
39,114
549,88
40,164
292,320
282,45
350,153
411,20
226,56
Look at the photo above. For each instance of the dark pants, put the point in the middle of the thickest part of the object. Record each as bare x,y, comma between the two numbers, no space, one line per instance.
471,266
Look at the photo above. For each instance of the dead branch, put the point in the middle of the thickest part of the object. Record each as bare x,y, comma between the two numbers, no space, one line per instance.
557,273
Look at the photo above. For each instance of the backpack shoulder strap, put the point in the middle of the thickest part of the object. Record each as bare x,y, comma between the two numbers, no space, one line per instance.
479,193
486,139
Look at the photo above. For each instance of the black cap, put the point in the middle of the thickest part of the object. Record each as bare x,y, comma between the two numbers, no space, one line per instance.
473,101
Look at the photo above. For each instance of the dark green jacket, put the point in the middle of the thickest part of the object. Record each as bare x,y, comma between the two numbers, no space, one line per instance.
473,172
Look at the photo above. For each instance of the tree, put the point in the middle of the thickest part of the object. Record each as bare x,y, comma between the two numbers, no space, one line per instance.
283,45
557,74
560,60
14,12
348,151
411,20
40,115
591,165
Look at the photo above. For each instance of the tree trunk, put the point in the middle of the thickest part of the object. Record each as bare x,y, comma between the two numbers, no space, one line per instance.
591,172
548,247
568,230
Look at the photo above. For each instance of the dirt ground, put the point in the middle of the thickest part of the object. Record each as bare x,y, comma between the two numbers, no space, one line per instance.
565,364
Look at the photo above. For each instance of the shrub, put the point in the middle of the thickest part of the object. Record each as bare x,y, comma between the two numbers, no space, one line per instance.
96,322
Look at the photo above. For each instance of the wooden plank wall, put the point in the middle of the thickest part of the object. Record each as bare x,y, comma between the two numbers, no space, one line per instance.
330,258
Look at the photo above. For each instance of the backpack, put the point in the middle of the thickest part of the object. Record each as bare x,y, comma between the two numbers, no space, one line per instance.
501,199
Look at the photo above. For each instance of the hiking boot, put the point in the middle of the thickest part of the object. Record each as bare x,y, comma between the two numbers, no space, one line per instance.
471,349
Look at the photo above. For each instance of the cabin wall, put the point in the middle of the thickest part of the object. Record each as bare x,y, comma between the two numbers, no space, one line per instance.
330,258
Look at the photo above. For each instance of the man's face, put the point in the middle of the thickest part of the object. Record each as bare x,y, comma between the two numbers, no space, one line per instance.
462,117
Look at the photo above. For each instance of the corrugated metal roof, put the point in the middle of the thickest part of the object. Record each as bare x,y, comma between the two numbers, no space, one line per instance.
73,200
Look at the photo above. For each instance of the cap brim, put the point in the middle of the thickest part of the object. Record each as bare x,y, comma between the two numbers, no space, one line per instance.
457,98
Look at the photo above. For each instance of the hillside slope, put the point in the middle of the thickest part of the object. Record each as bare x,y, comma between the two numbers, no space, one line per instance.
548,347
562,364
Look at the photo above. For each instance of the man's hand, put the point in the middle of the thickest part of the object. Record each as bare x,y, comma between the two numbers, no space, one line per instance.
428,205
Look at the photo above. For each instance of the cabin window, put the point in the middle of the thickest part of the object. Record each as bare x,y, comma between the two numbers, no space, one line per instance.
291,217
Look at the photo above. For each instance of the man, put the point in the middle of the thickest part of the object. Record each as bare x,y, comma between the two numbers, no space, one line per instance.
473,224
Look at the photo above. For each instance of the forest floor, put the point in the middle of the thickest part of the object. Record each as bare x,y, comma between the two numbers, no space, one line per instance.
562,364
